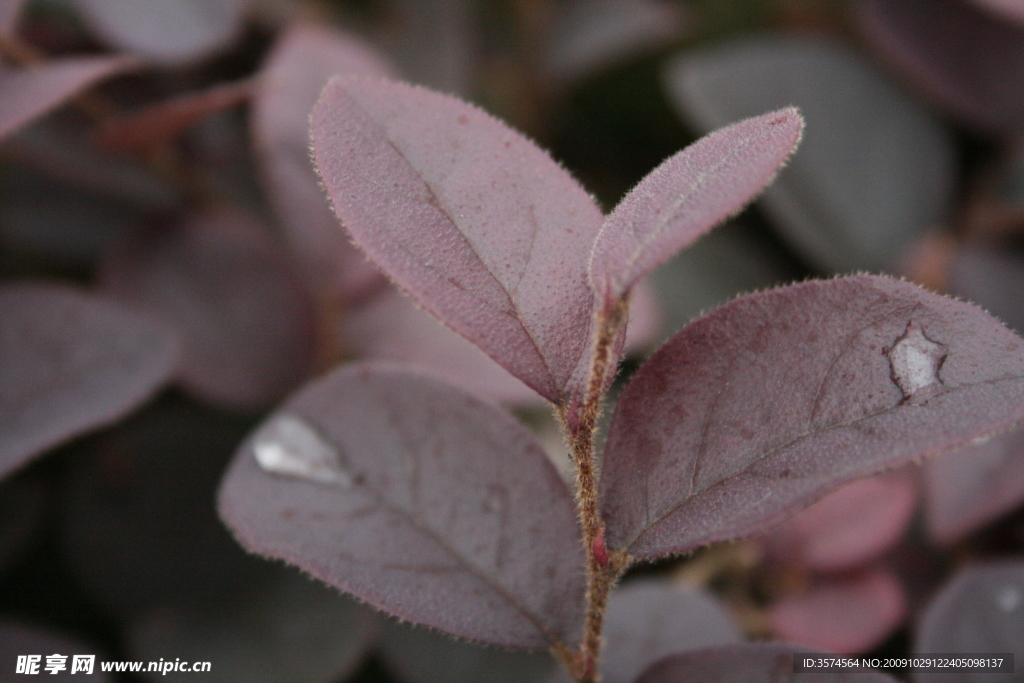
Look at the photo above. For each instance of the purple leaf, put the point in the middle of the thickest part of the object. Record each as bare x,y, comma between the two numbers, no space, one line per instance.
295,630
418,499
686,196
864,138
221,280
294,73
69,363
28,92
10,12
748,663
651,619
19,639
972,487
483,228
418,655
847,614
850,526
980,610
765,404
169,31
966,59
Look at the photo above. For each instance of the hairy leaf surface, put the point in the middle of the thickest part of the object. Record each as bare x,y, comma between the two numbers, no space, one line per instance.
762,406
686,196
295,71
71,362
417,498
482,227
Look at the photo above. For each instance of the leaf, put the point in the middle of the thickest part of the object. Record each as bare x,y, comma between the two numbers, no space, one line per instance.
477,223
246,324
418,499
651,619
588,36
972,487
748,663
71,362
849,527
846,614
686,196
10,12
417,655
968,60
864,138
293,631
980,610
291,78
762,406
21,639
169,31
28,92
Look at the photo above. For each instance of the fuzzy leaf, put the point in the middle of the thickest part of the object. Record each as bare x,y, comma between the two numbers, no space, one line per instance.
247,325
418,499
28,92
686,196
748,663
967,59
864,138
295,71
71,362
845,614
980,610
972,487
474,220
169,31
762,406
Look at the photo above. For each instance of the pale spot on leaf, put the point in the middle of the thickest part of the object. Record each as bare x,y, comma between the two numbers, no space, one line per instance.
916,360
290,447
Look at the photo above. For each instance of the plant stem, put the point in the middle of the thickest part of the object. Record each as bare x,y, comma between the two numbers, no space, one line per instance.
602,571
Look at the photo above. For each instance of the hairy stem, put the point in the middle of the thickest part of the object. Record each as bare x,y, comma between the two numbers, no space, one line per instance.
581,431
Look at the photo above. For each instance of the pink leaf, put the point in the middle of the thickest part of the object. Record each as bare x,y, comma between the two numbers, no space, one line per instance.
477,223
293,75
169,31
686,196
980,610
418,499
748,663
972,487
221,280
966,59
765,404
71,362
28,92
850,526
844,615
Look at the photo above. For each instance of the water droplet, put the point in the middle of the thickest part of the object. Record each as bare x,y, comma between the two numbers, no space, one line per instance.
1009,598
915,361
288,446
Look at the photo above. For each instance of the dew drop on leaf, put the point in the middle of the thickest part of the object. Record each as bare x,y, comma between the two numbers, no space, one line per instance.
916,360
290,447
